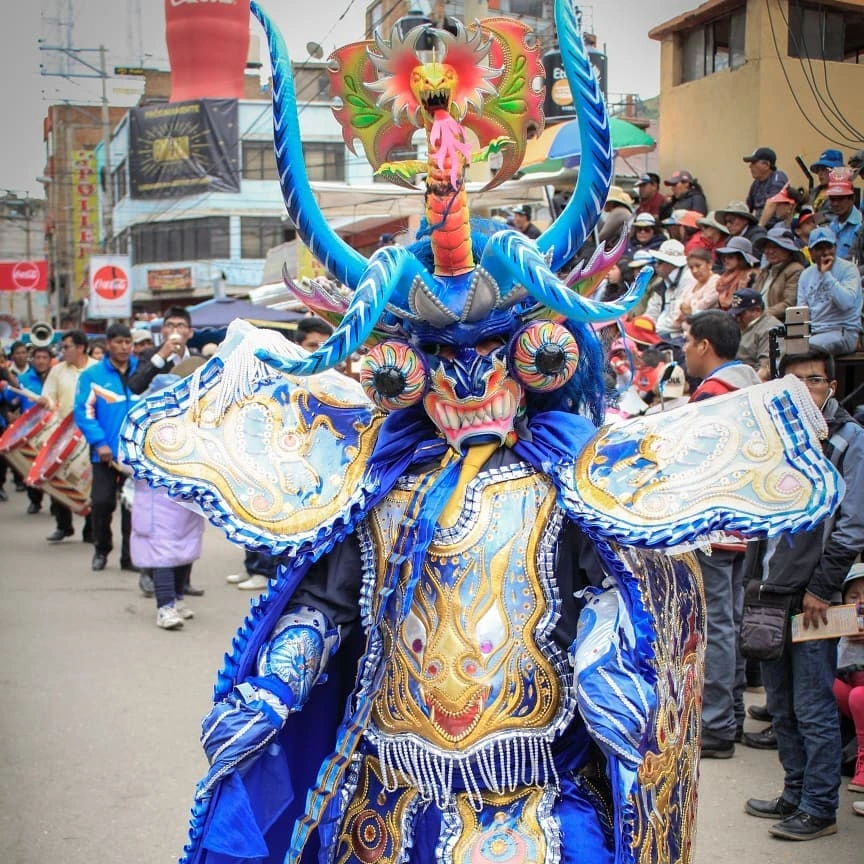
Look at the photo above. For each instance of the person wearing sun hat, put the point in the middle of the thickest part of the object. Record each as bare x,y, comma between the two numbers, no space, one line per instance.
846,217
645,233
777,281
742,223
831,288
670,264
738,262
616,215
712,235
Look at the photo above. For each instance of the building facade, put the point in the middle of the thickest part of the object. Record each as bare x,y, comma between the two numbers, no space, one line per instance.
741,74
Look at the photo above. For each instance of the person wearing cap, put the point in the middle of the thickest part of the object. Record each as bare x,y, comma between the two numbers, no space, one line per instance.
645,234
738,262
710,349
828,160
756,324
670,264
522,222
811,565
767,180
687,194
141,340
780,208
831,288
651,199
386,240
175,333
849,683
742,223
846,217
683,225
777,281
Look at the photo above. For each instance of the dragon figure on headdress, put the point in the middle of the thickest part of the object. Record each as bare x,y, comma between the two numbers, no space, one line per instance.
485,640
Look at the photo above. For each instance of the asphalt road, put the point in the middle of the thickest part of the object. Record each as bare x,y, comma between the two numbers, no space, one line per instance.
99,733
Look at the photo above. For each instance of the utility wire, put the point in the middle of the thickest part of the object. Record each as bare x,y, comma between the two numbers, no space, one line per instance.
802,52
789,82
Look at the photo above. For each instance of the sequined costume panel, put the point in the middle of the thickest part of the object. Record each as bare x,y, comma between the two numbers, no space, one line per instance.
740,461
470,669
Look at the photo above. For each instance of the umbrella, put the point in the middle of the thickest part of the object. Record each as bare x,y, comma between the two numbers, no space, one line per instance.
559,145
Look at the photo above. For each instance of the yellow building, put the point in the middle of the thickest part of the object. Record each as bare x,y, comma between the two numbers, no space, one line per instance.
740,74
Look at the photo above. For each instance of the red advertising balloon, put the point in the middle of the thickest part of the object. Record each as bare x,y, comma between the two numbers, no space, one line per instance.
208,44
110,282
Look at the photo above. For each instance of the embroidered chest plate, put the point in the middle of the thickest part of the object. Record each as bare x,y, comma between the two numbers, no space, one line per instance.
471,661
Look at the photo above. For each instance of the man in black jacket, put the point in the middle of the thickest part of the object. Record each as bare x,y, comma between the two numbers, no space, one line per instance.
799,684
176,330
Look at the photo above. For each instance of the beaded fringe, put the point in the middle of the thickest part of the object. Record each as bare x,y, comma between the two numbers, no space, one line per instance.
501,766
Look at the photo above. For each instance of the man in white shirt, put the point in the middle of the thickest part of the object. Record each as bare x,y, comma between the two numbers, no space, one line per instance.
58,392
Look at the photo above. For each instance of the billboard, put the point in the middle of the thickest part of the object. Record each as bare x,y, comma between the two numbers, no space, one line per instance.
23,275
558,104
110,287
185,148
85,218
169,279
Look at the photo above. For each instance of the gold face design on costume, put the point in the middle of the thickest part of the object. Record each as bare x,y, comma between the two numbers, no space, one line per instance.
464,662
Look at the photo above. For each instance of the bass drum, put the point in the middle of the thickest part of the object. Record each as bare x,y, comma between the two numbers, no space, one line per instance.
23,440
63,467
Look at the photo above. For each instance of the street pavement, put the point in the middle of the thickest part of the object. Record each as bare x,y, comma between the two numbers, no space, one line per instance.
101,714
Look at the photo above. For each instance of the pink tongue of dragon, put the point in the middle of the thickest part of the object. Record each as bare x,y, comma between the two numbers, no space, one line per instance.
446,139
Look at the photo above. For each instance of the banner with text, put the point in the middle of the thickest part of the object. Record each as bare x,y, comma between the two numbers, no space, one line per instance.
23,275
185,148
85,218
110,287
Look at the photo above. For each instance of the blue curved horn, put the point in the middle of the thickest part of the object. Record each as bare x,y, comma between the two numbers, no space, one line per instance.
345,263
388,268
569,231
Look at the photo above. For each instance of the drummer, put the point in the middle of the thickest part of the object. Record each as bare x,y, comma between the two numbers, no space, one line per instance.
33,379
58,392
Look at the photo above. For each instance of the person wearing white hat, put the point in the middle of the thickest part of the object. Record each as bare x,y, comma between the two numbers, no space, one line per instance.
670,263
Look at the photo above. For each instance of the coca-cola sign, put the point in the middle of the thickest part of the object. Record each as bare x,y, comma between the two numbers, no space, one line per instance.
110,288
23,275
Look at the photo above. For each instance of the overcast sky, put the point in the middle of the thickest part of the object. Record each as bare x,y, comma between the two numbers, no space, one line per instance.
25,94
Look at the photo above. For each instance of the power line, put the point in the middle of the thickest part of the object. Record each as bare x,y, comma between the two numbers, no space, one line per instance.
801,48
789,82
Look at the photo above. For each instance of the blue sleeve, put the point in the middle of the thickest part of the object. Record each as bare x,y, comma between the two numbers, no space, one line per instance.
85,410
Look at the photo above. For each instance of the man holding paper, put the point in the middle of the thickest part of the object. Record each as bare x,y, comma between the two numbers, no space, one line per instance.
798,685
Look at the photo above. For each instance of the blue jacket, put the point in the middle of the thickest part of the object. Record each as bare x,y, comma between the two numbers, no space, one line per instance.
102,401
30,380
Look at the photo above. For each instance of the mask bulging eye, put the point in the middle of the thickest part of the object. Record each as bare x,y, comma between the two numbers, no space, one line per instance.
543,355
394,375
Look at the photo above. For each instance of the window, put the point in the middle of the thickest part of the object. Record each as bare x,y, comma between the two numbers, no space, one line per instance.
713,47
183,240
825,33
324,161
121,185
259,161
259,234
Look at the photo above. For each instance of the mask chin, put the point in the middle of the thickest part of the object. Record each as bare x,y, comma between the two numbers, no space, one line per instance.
487,417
